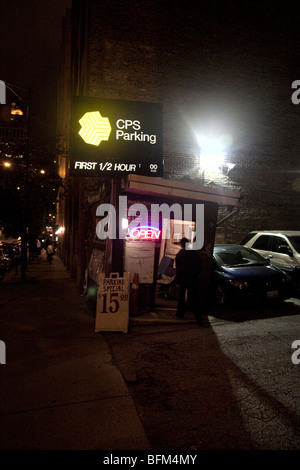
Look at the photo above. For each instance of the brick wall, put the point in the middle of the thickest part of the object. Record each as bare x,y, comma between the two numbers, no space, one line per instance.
215,69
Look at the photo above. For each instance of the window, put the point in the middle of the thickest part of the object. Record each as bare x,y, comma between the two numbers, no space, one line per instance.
278,242
247,238
295,242
262,243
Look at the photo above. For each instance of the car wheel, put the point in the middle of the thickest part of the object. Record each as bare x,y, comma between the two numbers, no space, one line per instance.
221,296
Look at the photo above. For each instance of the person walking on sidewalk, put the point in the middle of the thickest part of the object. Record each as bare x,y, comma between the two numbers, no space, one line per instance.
188,269
50,252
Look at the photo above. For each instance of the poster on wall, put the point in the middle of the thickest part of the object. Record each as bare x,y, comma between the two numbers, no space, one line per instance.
139,259
115,137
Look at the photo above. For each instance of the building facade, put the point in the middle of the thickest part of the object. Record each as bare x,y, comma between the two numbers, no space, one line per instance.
223,77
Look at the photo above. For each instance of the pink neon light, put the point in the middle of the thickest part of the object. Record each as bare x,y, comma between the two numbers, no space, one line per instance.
145,233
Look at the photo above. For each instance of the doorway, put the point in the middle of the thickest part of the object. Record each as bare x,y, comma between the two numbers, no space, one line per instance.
172,232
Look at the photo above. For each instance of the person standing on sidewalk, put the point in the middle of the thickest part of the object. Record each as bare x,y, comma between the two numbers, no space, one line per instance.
188,270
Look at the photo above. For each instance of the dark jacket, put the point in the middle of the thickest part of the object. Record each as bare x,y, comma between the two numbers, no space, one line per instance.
188,267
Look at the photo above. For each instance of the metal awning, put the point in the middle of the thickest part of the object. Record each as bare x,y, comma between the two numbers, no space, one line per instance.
160,187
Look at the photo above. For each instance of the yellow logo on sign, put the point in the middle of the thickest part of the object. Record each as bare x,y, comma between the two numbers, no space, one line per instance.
94,128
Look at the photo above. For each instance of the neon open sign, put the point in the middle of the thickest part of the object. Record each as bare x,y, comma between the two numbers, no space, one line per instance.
144,233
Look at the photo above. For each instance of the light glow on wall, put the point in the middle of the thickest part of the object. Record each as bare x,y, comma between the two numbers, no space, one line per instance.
213,151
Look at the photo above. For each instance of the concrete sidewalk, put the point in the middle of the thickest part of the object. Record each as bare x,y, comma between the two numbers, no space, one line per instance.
59,388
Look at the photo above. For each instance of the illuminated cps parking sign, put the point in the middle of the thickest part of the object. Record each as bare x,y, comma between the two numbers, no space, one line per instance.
114,137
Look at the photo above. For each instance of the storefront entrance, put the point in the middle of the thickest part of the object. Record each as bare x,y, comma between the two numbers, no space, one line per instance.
173,231
152,257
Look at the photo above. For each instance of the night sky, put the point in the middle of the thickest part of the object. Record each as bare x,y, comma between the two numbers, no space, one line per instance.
30,35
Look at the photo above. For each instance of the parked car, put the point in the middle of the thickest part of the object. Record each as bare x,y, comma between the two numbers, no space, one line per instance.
281,247
241,274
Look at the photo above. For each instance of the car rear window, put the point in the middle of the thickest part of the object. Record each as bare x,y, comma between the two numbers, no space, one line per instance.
295,242
247,238
238,257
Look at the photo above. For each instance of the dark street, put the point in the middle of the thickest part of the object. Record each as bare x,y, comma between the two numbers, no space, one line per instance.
230,384
166,385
